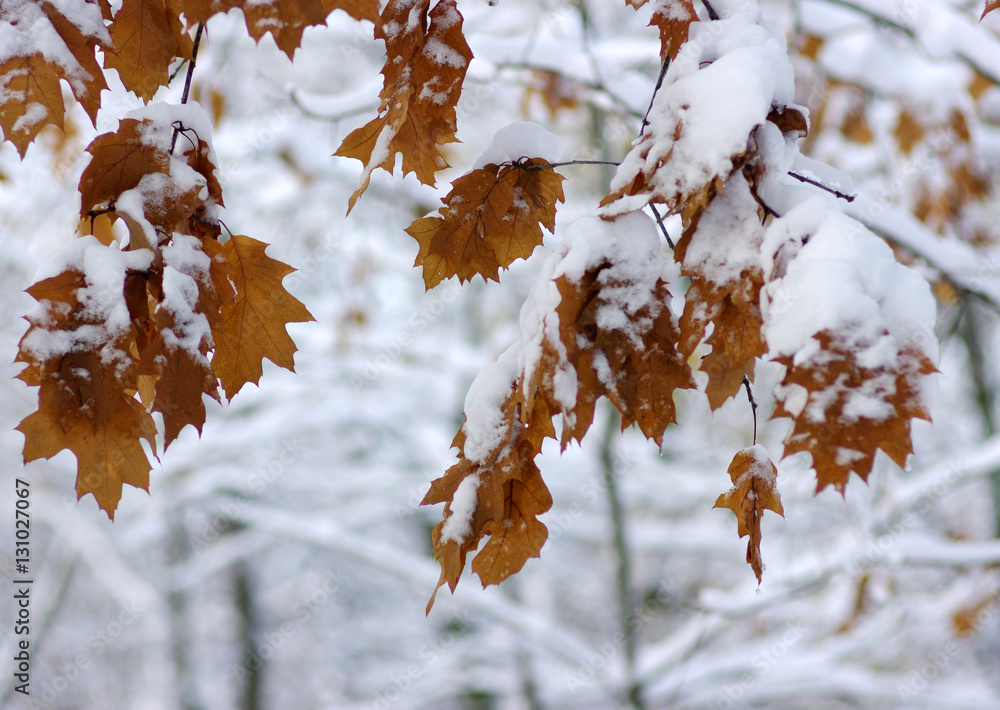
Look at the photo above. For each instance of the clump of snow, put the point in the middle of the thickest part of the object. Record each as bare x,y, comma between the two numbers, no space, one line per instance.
522,139
485,427
185,265
458,525
722,84
102,313
630,249
726,244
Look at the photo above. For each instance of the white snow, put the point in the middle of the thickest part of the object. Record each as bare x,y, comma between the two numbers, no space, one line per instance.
458,525
522,139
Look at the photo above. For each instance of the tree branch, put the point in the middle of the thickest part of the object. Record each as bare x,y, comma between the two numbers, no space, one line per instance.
821,186
187,79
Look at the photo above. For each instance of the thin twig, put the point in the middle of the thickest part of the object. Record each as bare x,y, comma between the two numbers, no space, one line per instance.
753,406
543,166
659,222
178,70
659,82
816,183
712,14
187,79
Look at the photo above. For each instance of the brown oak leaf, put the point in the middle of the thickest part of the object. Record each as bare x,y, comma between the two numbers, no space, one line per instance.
843,411
286,20
85,368
426,61
147,36
492,216
754,491
672,18
991,5
30,95
252,324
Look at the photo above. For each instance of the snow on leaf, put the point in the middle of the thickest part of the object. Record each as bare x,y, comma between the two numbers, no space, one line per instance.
720,252
716,92
672,18
754,490
492,216
80,351
597,323
147,36
848,409
426,61
48,47
132,175
252,325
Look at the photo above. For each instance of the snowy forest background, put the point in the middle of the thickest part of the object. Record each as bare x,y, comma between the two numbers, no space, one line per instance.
282,559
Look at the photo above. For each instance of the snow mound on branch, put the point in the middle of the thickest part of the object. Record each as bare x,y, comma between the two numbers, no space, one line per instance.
522,139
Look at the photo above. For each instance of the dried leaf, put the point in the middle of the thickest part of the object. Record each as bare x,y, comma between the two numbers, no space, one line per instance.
724,232
991,5
508,493
30,94
492,216
426,60
147,36
86,380
286,20
252,325
816,392
754,491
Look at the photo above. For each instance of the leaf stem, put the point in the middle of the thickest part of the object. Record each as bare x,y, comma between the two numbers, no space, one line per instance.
659,223
712,14
187,79
753,406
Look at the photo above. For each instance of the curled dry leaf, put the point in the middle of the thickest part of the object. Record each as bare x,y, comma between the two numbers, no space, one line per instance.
426,60
492,216
754,491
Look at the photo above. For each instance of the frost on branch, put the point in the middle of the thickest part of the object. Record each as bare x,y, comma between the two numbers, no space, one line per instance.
597,323
41,43
755,489
120,333
426,60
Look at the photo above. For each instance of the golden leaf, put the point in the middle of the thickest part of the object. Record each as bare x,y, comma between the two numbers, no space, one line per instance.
754,490
492,216
252,325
